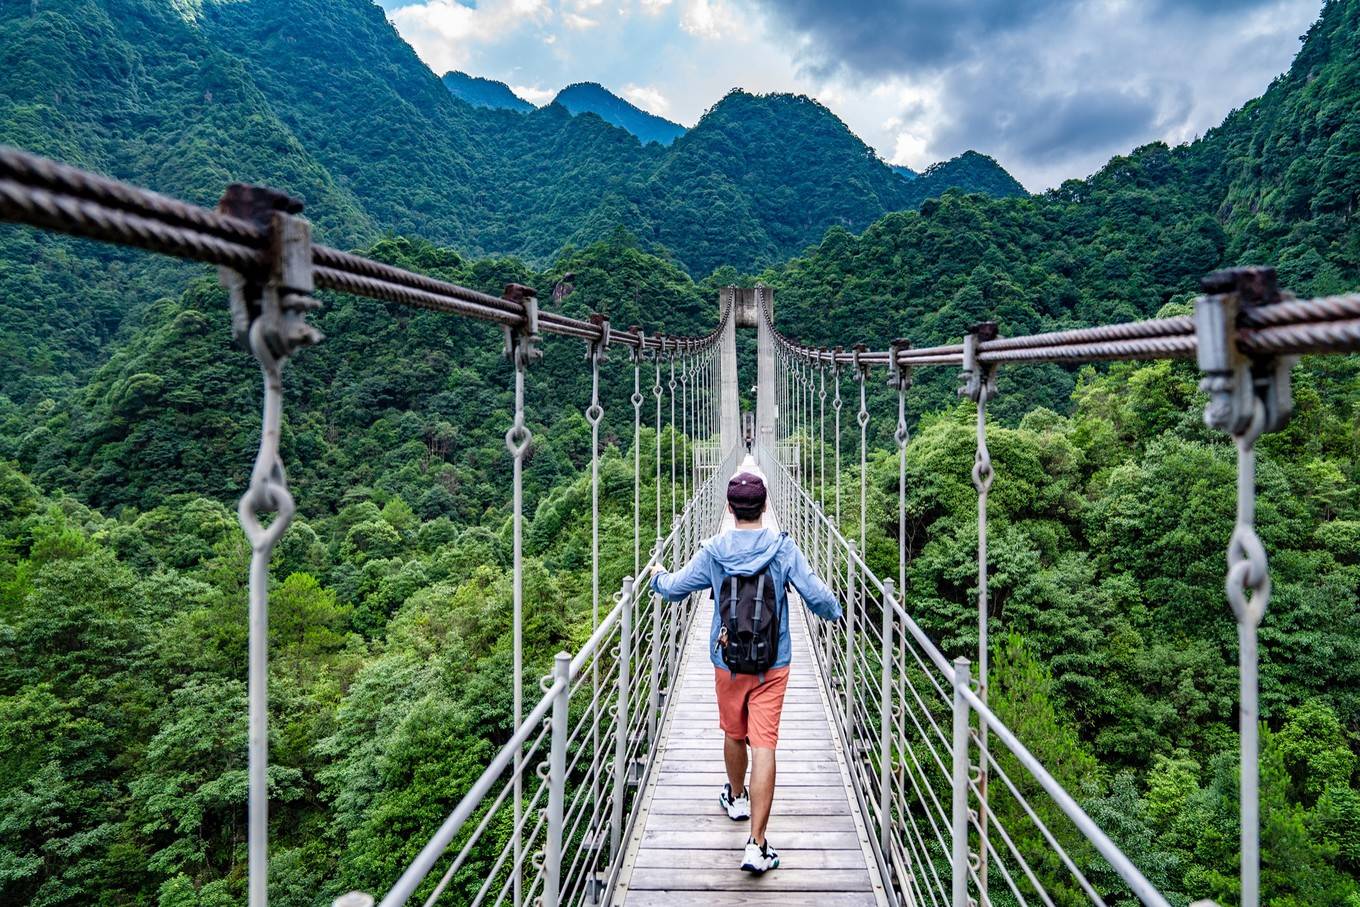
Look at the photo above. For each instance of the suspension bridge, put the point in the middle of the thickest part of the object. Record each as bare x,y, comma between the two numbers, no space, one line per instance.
893,762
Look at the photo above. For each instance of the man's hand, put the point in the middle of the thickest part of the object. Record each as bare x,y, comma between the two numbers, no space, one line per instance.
649,571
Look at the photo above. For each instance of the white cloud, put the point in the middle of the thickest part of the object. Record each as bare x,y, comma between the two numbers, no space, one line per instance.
702,18
909,150
445,33
648,98
578,22
534,94
1051,98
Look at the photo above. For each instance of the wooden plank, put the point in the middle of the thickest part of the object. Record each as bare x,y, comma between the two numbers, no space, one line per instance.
657,858
717,779
683,726
782,879
712,732
818,806
787,768
752,898
780,823
708,793
686,852
735,839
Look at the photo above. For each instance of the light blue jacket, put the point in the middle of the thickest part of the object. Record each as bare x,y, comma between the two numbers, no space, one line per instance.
742,552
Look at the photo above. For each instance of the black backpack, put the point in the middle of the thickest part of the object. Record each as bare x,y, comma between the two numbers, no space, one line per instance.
749,634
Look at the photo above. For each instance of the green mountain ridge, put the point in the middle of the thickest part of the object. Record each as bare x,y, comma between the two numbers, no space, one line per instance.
266,91
591,97
122,628
481,92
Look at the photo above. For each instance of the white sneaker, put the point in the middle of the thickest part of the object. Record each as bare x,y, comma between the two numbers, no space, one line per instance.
758,859
738,808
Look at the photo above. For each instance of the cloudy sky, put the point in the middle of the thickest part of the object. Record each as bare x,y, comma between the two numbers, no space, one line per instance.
1051,88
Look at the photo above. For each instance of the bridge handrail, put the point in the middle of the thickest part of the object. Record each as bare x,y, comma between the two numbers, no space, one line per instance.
656,667
817,534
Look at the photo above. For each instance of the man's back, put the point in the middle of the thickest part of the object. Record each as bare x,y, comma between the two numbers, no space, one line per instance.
746,552
750,704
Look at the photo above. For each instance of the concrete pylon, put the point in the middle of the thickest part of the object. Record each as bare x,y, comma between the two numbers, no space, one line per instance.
729,407
767,404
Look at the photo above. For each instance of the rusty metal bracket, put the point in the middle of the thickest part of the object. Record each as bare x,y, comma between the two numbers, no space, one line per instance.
1233,380
978,379
597,349
899,376
269,308
522,342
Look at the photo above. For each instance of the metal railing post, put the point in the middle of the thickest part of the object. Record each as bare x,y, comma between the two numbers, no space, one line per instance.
885,725
959,859
621,718
557,781
851,575
654,708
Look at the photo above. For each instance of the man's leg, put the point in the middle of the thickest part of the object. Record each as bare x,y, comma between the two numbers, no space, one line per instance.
734,755
762,789
766,704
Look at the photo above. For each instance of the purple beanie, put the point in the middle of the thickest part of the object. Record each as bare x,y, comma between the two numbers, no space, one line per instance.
746,491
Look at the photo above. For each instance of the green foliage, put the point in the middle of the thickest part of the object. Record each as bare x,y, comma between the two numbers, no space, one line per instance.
122,629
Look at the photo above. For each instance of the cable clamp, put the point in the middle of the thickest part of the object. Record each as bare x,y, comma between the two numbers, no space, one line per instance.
978,381
522,342
1234,381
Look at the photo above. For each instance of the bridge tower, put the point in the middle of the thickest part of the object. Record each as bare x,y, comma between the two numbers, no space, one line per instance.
747,302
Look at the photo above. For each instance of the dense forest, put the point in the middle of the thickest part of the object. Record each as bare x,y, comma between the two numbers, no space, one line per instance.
128,424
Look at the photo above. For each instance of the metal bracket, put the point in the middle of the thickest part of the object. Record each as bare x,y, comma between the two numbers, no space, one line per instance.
899,376
522,343
638,353
597,349
861,368
1233,380
269,309
978,380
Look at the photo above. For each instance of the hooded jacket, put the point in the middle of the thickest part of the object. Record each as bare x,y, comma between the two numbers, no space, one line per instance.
743,552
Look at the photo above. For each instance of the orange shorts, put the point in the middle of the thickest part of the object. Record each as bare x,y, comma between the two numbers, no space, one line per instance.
749,709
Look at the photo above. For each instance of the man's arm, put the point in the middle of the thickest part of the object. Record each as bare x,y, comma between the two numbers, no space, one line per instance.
815,592
692,578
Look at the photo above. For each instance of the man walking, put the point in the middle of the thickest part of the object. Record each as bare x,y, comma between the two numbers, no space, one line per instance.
749,568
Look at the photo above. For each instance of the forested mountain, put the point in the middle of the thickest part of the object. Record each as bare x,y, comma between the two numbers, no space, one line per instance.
480,92
324,100
127,426
590,97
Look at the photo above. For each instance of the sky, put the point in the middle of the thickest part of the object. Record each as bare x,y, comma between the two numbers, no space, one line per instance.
1050,88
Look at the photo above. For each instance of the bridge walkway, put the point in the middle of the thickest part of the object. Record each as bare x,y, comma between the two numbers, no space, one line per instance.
685,851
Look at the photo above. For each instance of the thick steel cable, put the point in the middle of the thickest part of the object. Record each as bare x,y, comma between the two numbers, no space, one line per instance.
34,172
358,266
44,193
78,217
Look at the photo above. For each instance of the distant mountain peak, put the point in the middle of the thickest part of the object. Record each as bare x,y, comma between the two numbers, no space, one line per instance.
480,92
592,97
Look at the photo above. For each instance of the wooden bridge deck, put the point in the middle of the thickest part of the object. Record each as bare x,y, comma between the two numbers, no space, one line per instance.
685,850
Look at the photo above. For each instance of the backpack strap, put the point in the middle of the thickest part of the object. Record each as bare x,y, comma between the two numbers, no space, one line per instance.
760,598
733,598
